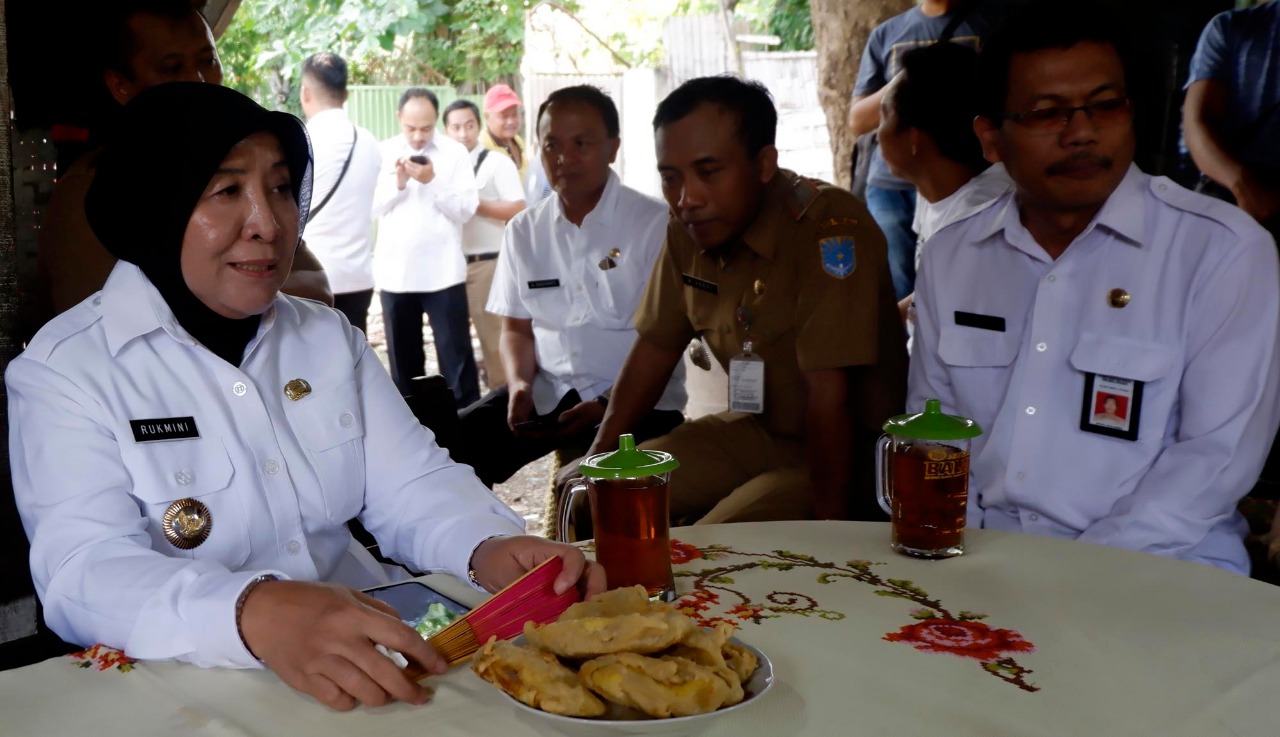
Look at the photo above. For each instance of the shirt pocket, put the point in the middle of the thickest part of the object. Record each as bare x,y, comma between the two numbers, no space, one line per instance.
978,364
1125,358
330,427
200,469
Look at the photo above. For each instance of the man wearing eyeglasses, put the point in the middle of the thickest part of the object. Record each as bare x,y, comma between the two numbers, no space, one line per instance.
1092,280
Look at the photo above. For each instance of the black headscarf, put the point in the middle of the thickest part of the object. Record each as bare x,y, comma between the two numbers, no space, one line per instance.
163,151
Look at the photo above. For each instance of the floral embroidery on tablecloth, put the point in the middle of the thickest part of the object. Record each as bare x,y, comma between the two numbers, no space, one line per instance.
937,629
104,658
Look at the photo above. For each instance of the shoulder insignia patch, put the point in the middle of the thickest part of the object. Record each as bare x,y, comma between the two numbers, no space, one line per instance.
838,222
838,255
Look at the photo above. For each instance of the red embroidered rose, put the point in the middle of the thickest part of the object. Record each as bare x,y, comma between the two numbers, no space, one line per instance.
683,552
960,638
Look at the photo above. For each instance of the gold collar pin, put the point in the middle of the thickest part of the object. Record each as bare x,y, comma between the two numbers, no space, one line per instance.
297,389
1118,298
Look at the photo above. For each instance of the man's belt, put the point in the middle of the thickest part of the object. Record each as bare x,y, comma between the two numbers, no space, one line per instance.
475,258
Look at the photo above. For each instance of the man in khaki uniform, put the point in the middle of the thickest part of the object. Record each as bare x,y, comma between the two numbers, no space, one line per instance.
797,269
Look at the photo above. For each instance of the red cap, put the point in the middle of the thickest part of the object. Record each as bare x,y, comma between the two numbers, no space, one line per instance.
499,98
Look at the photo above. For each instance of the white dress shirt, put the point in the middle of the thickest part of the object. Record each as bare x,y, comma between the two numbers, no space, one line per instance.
583,316
1200,330
971,197
280,478
341,234
419,246
497,180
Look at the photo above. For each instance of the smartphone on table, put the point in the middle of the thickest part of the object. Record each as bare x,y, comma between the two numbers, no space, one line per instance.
421,607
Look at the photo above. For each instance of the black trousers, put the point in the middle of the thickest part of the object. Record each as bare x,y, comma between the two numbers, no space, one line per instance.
355,305
486,443
450,324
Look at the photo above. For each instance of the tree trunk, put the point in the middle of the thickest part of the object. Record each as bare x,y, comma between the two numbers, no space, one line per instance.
840,31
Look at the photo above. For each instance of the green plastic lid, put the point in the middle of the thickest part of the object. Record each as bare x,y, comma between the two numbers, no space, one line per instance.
932,424
628,463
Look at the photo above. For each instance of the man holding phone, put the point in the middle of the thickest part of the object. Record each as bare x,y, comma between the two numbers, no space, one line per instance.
569,278
425,194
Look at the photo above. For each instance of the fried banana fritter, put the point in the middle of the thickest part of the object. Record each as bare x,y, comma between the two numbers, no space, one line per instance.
660,687
588,637
741,660
537,679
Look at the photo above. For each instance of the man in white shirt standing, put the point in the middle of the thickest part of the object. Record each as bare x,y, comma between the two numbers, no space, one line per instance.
571,273
425,194
1094,282
501,198
340,229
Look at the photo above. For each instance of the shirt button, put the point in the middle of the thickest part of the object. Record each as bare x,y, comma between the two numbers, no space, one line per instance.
1042,347
1031,410
239,389
1020,475
97,301
184,478
271,466
293,547
347,419
1052,278
1033,517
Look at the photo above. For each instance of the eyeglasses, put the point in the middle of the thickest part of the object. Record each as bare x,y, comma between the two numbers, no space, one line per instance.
1053,119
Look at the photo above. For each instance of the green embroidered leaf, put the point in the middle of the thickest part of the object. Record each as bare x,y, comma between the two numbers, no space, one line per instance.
906,585
720,580
967,616
892,594
795,556
685,574
831,577
775,566
830,615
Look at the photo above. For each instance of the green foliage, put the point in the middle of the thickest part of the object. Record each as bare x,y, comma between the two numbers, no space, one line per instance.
790,21
458,42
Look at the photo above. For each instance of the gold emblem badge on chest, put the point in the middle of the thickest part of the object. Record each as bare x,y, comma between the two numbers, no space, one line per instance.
187,523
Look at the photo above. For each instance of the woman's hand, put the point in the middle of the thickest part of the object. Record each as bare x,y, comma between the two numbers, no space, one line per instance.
500,560
319,638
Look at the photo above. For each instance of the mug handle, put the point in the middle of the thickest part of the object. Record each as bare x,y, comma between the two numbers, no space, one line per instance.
576,487
883,482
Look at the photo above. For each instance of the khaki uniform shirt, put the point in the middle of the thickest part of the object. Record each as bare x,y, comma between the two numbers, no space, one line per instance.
811,275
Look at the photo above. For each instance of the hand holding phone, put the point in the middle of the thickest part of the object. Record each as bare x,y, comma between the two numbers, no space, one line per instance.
418,159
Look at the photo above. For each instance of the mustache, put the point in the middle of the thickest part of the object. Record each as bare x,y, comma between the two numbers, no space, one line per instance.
1078,159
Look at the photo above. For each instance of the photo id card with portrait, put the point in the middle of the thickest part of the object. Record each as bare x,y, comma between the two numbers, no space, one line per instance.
746,382
1111,406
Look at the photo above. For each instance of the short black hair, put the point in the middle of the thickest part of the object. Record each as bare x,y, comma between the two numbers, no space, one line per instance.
117,42
329,71
1046,24
748,100
413,92
936,93
461,104
585,94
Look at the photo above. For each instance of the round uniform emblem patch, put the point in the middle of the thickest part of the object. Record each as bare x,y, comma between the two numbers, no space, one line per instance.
839,257
187,523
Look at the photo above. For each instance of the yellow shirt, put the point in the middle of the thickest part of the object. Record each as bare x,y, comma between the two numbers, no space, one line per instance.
487,141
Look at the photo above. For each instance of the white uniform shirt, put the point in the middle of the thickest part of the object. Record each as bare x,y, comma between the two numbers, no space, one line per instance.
341,235
281,478
583,316
971,197
497,180
419,246
1200,330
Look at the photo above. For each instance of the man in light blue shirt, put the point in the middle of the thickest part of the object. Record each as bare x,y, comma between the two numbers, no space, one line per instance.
1114,334
1232,112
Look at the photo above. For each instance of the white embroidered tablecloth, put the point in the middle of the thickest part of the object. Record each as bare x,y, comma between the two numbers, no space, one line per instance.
1020,636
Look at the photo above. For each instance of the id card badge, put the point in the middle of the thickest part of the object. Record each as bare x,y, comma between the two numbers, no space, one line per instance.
1111,406
746,382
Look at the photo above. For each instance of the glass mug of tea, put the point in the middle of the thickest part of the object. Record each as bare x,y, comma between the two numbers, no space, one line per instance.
922,473
630,513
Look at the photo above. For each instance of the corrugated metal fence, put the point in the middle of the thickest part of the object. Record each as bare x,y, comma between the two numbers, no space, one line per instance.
374,107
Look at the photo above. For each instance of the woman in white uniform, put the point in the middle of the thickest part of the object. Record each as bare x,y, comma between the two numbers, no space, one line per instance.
188,444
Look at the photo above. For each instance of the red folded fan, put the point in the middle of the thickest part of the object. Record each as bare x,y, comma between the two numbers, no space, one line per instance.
529,598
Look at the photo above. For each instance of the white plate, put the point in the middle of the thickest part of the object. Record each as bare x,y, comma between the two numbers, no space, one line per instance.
755,687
